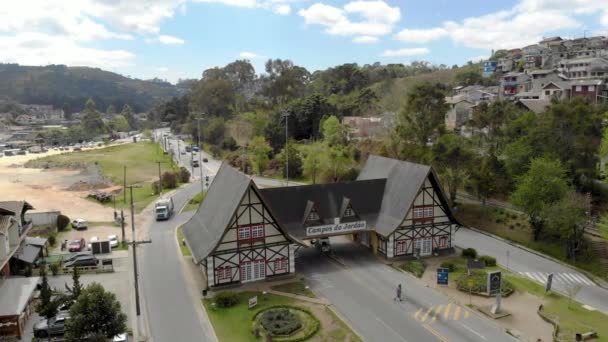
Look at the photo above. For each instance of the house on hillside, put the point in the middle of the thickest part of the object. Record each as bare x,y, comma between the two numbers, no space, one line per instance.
13,231
460,113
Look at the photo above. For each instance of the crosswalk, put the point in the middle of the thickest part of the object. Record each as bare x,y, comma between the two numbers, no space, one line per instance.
564,278
442,311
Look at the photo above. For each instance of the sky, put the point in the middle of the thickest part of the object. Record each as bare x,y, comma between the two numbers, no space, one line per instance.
173,39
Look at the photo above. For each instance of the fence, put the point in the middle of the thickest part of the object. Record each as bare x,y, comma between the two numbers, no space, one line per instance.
43,218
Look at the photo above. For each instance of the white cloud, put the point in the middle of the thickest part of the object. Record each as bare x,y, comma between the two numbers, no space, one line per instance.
377,18
166,39
250,55
365,39
237,3
162,69
283,9
405,52
480,58
421,36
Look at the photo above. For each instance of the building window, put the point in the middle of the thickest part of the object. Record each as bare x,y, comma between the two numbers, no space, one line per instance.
547,92
400,247
443,242
257,231
428,211
591,88
313,216
280,264
224,273
418,213
579,88
349,212
244,233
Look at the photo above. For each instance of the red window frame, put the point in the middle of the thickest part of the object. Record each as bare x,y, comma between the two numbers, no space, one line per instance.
280,264
224,273
400,247
425,214
443,241
249,230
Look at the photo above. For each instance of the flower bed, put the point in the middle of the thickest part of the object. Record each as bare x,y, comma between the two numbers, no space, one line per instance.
286,324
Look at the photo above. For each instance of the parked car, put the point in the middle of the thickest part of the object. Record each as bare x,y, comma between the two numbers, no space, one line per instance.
76,245
205,160
113,241
86,260
75,256
91,240
79,224
53,326
195,163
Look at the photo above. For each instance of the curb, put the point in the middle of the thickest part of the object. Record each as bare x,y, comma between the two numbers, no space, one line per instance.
592,277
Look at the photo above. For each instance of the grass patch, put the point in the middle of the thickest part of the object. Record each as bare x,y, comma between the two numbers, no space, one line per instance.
341,332
182,247
139,158
415,267
515,228
296,287
195,202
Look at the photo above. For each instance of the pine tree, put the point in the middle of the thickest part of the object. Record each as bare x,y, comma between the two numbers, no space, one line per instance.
76,288
47,306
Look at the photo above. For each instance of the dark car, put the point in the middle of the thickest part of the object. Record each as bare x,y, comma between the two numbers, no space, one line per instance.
82,261
53,326
205,160
76,245
195,163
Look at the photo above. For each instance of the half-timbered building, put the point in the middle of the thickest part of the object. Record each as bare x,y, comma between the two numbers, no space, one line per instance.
241,233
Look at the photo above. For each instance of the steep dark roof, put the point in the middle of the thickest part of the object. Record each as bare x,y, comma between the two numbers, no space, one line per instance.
17,207
290,204
205,229
403,181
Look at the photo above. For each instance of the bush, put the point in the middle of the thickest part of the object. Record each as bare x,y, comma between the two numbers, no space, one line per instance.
490,261
449,265
215,151
480,283
155,188
280,322
62,222
169,180
226,299
52,239
415,267
54,269
228,143
470,253
184,175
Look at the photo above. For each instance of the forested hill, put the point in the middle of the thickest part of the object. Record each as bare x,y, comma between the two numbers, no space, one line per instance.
70,87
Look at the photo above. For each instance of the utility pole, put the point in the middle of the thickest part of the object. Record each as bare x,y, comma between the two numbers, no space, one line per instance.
200,162
286,116
133,243
160,180
124,185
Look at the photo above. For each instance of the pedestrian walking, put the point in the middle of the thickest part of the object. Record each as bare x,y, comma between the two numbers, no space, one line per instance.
398,296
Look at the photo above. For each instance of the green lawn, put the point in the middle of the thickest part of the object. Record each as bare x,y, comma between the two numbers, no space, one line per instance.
195,202
139,158
415,267
296,287
183,248
234,324
515,227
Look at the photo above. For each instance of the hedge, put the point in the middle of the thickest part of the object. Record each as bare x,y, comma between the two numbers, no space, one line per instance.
226,299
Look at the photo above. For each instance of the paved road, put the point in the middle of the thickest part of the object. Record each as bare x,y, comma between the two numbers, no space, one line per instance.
363,292
534,267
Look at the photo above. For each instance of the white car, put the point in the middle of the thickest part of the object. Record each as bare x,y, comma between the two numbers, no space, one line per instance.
79,224
93,239
113,240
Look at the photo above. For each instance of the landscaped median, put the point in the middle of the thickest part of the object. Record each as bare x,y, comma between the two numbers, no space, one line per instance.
181,241
289,317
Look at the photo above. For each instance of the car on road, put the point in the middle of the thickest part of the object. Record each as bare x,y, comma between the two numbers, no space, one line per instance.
79,224
21,152
53,326
76,245
183,152
82,261
91,240
205,160
113,241
195,148
195,163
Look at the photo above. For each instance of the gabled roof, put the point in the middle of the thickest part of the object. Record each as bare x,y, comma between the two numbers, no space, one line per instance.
15,293
559,84
535,105
206,228
330,200
403,181
17,207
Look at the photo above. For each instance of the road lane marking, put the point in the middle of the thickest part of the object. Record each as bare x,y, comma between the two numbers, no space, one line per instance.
426,315
457,313
473,331
567,275
418,313
391,329
446,313
435,332
437,312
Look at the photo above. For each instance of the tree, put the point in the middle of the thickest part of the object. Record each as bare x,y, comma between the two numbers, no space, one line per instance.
543,184
312,161
295,160
213,132
567,220
95,314
424,113
127,113
451,155
67,111
468,76
214,97
454,178
111,110
119,123
76,288
336,162
47,307
147,134
92,123
259,151
334,132
284,80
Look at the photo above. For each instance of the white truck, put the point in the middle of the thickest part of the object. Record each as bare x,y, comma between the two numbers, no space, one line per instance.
163,209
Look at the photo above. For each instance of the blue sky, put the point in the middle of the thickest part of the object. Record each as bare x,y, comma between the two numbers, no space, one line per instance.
173,39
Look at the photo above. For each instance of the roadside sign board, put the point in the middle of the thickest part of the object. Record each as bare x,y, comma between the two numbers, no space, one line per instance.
442,276
494,282
549,282
253,301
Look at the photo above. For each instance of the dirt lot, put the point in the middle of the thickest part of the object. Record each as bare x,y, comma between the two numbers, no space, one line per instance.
47,189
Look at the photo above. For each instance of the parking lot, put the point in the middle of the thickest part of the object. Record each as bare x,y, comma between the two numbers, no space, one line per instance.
119,282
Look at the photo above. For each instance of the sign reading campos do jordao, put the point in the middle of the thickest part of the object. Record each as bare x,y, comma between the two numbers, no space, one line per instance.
335,228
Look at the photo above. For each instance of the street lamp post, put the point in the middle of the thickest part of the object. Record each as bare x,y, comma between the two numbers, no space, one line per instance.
286,116
200,162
